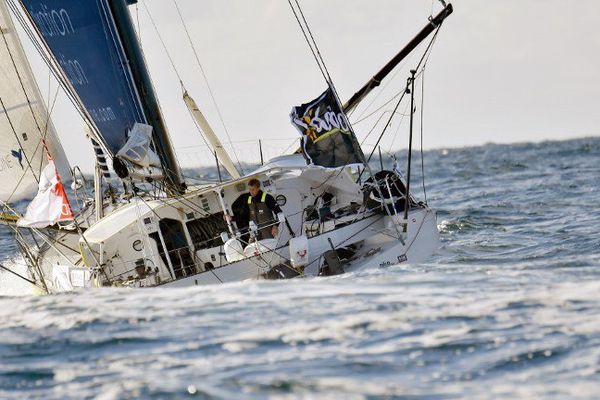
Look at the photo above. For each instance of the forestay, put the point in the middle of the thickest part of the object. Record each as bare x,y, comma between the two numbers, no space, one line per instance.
24,121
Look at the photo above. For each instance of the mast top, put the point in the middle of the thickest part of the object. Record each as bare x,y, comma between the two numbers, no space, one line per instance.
375,81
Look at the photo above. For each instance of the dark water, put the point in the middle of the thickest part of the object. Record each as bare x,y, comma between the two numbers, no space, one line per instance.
508,308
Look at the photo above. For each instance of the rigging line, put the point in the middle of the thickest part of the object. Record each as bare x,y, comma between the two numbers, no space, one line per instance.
168,56
45,53
330,81
377,123
20,79
33,114
44,236
310,45
366,108
183,201
387,124
421,127
402,115
325,72
290,146
425,57
355,143
210,92
380,107
34,153
398,68
163,44
20,276
19,141
46,125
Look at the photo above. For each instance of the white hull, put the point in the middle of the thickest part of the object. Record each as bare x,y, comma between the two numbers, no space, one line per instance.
127,247
419,246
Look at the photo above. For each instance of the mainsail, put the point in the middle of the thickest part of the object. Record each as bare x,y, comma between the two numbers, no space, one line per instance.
88,50
24,121
93,43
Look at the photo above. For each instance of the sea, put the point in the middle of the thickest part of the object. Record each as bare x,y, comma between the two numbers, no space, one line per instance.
508,308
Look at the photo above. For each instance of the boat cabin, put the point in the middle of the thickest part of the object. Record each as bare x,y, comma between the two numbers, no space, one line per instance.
160,240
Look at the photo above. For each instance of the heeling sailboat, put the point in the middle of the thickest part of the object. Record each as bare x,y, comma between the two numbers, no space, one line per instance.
330,222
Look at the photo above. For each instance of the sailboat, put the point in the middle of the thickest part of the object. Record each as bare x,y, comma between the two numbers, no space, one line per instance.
336,214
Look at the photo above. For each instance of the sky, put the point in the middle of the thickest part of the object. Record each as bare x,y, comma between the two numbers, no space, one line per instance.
500,71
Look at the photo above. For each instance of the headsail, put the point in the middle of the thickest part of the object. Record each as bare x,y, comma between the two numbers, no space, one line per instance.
24,120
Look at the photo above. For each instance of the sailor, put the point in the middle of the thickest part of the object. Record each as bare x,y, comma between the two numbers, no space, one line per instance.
263,210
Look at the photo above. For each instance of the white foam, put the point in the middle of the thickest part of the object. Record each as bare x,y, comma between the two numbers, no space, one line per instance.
11,285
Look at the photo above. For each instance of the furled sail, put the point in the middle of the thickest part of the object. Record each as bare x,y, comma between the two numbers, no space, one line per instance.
24,121
210,135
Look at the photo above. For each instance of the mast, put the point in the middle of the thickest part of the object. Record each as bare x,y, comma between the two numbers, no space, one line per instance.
379,76
410,137
147,95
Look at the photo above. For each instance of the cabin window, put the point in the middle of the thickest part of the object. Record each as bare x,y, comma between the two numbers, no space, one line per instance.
206,232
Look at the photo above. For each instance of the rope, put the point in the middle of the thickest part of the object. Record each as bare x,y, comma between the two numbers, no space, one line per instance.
45,53
20,79
163,44
398,68
20,276
402,116
210,92
314,48
421,128
425,57
379,108
315,51
172,62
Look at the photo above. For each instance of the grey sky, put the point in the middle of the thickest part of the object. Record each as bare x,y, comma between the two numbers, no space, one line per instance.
501,71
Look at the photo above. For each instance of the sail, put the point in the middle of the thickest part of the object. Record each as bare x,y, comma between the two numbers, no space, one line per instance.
24,121
50,205
85,43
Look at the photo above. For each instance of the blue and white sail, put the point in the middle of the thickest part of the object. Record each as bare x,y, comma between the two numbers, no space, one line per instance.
84,41
24,122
